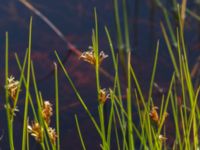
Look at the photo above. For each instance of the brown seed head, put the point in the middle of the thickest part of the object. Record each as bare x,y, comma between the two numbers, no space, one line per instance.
11,110
162,138
154,114
102,56
52,135
47,111
103,95
89,57
165,115
36,131
12,86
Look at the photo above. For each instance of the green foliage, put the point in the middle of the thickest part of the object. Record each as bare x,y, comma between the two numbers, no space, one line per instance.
151,130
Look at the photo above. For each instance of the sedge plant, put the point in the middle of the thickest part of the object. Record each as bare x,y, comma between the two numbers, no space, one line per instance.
180,102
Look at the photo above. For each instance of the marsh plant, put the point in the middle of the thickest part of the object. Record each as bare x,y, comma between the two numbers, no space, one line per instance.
150,132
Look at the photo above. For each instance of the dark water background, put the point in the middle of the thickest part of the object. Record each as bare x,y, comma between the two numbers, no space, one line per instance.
75,19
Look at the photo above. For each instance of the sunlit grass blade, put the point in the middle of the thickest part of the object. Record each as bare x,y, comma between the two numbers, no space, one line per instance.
126,28
79,133
122,125
101,106
193,119
138,88
129,104
153,74
167,19
57,107
141,120
24,81
193,14
110,118
10,126
166,104
117,86
116,133
119,35
170,49
27,90
20,82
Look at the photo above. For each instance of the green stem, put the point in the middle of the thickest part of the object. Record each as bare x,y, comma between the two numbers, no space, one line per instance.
57,107
27,90
10,126
129,106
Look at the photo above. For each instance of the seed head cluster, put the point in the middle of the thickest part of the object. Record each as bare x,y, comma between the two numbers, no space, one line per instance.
103,95
155,117
12,87
37,131
89,57
47,111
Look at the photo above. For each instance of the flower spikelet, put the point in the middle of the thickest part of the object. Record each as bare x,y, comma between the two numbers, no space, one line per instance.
47,111
103,95
36,131
102,56
52,135
162,138
89,57
154,114
11,110
12,86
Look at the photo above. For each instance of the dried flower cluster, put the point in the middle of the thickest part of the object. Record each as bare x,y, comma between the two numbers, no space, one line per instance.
155,117
162,138
89,57
52,135
11,110
154,114
36,131
12,87
103,95
47,111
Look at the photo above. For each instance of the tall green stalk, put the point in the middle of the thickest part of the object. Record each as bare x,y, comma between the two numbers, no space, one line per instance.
57,107
129,105
79,133
119,34
95,45
10,126
24,137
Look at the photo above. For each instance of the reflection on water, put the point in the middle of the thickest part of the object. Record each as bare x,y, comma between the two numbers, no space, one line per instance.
75,20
